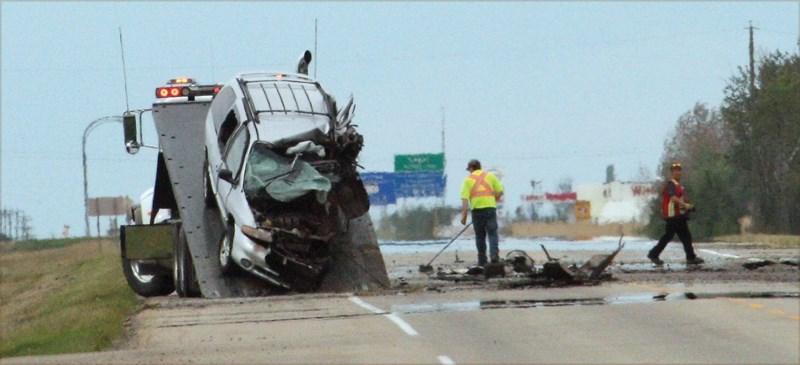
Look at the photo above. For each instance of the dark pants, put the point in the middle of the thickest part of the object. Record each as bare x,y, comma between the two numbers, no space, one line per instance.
485,222
679,226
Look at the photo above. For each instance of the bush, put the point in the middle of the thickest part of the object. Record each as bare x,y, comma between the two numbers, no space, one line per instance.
416,223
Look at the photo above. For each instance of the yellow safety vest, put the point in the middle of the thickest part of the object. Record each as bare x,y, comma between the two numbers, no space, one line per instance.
480,188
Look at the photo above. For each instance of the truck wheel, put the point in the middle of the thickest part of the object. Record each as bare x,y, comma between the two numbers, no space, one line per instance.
145,283
208,191
183,269
225,246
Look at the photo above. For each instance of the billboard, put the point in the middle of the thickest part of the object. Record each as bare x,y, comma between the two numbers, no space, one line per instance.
109,206
380,187
419,184
383,188
419,162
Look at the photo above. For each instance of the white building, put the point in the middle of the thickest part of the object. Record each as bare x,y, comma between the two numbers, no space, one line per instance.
618,202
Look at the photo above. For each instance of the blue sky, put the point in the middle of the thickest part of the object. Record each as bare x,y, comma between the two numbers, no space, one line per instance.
543,90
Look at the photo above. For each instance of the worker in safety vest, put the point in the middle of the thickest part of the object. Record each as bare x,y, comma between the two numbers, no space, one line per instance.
674,208
481,191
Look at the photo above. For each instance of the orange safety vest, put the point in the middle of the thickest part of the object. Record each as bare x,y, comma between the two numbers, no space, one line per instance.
670,209
480,181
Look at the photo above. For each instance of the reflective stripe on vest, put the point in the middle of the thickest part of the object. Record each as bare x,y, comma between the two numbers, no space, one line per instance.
480,181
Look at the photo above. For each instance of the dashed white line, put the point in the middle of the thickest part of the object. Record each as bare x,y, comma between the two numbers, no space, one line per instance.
444,360
366,305
391,316
719,254
402,324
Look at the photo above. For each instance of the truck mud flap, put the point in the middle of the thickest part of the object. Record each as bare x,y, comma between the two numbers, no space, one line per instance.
146,242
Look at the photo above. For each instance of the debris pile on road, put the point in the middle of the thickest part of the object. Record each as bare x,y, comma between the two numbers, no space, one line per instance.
526,272
755,263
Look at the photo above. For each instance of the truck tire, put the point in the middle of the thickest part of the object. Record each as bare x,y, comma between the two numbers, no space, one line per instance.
183,269
146,284
226,263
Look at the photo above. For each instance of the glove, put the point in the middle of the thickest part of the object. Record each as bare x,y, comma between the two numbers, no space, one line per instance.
689,207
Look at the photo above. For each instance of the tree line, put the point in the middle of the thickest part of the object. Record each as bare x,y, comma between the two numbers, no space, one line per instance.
743,158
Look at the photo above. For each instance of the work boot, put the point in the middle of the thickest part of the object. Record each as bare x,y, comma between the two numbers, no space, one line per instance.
695,261
655,260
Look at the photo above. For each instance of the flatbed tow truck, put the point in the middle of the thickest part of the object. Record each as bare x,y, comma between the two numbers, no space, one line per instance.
182,253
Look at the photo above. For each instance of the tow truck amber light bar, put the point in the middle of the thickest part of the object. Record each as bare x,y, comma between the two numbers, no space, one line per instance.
190,91
181,80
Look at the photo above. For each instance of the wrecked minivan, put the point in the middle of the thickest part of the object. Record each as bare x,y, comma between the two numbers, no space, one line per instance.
280,169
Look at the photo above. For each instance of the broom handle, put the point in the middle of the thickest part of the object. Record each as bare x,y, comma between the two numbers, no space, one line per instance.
448,243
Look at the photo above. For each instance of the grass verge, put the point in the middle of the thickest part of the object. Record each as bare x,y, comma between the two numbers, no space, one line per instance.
64,300
573,231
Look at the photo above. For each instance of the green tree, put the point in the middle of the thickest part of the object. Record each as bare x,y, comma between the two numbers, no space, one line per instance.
765,123
701,143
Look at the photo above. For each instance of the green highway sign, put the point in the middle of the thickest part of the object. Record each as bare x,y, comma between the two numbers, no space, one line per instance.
419,162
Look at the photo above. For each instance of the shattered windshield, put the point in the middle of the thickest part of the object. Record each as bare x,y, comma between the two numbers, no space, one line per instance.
282,178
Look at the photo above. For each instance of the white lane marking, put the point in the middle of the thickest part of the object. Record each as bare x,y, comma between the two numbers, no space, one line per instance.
446,360
366,305
719,254
402,324
391,316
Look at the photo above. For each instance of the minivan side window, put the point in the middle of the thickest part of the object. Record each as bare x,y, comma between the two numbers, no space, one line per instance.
222,104
226,130
236,151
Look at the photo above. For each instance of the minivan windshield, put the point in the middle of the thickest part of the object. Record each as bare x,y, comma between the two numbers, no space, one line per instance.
280,177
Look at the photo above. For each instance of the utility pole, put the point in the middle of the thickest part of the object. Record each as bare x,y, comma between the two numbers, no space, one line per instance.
752,61
315,48
444,158
26,228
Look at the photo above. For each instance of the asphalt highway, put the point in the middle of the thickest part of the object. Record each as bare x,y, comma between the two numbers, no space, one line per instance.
609,323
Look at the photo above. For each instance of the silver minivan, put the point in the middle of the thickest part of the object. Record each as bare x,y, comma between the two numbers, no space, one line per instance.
281,170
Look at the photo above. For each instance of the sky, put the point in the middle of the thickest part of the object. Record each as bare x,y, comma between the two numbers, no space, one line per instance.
543,91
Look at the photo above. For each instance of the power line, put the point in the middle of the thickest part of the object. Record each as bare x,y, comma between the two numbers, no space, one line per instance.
407,56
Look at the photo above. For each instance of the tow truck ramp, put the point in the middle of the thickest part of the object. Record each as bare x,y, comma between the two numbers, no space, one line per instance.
357,264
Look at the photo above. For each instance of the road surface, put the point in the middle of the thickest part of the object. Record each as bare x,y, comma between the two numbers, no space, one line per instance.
749,317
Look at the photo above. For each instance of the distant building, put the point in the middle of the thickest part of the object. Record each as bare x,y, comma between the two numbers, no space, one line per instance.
618,202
